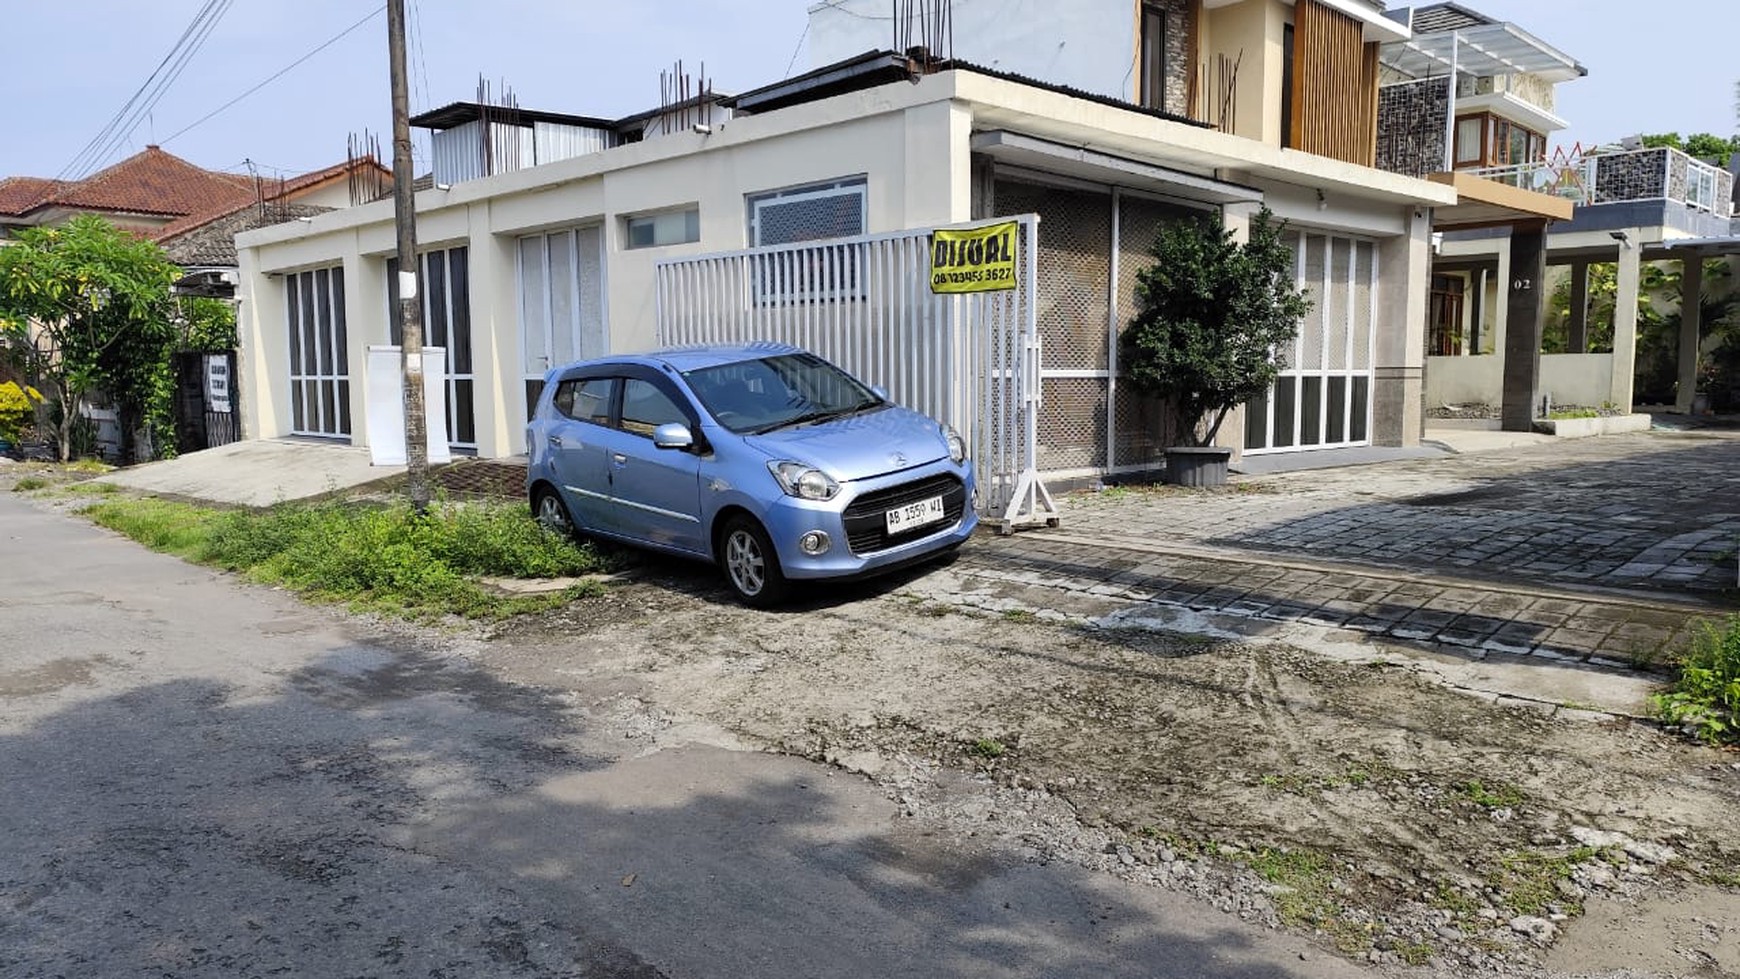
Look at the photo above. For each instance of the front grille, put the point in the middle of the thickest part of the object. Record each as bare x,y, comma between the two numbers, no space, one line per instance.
866,519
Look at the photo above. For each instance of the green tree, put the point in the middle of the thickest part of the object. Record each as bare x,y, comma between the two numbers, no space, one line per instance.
1704,146
86,306
1211,313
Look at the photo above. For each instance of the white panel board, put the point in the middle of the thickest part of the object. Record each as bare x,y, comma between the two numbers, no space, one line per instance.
386,406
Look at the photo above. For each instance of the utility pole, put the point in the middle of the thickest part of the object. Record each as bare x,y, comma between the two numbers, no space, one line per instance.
410,304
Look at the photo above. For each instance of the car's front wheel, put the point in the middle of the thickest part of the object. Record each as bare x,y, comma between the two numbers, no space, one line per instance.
548,508
750,564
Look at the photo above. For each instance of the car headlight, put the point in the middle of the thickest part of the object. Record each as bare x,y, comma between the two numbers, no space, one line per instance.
957,445
804,481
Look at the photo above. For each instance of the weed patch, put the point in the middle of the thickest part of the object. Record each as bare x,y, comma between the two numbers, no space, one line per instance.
989,748
1705,700
30,484
1499,796
1304,894
1529,880
381,558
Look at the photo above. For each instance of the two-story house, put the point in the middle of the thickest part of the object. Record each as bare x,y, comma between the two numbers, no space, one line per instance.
1488,87
1107,120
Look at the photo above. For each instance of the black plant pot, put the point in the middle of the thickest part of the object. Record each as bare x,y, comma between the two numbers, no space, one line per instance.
1197,466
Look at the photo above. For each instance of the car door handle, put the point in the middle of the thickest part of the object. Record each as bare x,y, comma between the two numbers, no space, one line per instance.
619,459
555,441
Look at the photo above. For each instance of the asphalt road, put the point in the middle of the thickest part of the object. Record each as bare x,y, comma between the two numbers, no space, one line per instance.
202,778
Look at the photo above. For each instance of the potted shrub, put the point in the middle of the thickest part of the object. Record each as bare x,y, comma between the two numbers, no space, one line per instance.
1211,312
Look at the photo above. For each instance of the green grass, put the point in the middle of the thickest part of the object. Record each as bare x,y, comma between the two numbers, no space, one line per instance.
1416,953
1499,796
374,557
1305,895
1574,413
1706,696
989,748
30,484
1528,880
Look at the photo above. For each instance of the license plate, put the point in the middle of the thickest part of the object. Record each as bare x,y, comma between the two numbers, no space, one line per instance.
915,514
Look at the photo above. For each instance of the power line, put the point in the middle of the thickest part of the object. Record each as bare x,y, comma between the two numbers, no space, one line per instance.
795,51
329,42
119,140
141,100
422,65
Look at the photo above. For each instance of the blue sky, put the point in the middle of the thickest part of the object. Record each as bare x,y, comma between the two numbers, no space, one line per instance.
1653,67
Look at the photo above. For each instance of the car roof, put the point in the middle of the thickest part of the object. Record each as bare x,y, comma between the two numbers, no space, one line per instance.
685,359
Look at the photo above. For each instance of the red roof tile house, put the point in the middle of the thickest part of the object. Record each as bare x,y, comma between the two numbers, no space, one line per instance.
194,213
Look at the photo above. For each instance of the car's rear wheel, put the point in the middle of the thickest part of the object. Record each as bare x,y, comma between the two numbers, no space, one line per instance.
548,508
750,564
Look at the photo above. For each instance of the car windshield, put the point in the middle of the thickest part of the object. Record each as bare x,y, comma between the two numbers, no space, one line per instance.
756,396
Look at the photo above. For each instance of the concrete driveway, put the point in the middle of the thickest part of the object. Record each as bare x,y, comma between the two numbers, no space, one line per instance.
1600,550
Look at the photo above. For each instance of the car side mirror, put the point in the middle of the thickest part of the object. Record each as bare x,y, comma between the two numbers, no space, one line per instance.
673,436
879,391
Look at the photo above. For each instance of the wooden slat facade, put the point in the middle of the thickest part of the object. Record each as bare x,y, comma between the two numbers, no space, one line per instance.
1335,76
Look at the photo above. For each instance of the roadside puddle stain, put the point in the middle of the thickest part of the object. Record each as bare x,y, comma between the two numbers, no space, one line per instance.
50,677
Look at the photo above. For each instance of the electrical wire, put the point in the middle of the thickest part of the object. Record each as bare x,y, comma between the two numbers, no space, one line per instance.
149,91
422,63
118,142
329,42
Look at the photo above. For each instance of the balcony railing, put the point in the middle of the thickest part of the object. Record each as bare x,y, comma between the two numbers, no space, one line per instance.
1624,175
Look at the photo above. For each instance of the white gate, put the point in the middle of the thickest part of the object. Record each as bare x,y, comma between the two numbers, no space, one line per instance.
865,303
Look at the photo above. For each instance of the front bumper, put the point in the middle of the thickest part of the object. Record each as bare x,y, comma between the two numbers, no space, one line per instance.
790,518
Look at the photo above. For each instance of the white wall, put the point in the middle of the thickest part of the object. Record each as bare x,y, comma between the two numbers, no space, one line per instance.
1571,379
1086,44
910,150
1464,380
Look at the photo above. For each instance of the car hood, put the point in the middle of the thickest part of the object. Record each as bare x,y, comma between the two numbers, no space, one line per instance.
859,446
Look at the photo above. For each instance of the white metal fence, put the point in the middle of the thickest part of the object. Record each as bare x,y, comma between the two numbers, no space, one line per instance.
865,303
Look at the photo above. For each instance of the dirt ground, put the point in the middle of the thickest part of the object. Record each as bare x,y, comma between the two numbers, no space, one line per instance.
1351,798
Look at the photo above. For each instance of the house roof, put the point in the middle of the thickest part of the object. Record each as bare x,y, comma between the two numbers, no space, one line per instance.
1449,35
154,182
212,240
21,194
459,113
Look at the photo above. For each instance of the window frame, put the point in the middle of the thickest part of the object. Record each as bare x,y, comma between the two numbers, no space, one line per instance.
1151,82
691,225
858,184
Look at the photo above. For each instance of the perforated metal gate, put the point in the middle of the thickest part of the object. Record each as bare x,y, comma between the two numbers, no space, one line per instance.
1092,243
972,361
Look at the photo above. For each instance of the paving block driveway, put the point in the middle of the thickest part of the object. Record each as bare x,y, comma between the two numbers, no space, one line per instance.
1600,549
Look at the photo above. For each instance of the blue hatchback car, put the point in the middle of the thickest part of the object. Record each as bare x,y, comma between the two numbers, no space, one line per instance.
764,459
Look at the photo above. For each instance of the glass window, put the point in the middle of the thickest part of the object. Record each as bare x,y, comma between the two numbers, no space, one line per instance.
645,407
762,395
585,400
1468,140
1153,56
669,228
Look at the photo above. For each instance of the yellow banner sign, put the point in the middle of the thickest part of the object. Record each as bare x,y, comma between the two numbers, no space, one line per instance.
974,259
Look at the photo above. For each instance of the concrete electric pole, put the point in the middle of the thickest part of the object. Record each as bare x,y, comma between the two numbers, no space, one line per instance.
410,303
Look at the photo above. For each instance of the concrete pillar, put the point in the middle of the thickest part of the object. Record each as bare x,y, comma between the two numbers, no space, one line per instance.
1501,302
1525,305
1579,319
496,361
1630,273
365,323
1691,299
1399,372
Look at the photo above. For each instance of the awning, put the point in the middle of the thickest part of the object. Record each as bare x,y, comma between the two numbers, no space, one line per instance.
1485,50
1483,203
1085,164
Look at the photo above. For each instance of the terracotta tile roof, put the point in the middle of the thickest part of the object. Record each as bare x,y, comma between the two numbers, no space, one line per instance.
307,180
21,194
155,182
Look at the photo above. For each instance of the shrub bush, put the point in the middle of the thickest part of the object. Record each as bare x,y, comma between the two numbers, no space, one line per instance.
1706,697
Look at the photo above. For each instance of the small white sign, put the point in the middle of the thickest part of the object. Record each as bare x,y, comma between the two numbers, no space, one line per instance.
407,285
217,383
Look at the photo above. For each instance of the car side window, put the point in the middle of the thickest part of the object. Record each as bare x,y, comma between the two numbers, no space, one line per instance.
646,407
585,399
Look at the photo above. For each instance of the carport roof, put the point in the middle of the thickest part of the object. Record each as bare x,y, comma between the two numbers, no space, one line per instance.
1483,50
